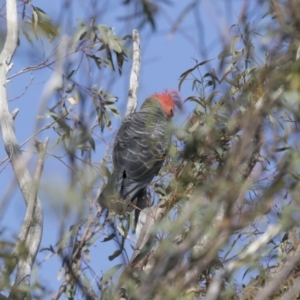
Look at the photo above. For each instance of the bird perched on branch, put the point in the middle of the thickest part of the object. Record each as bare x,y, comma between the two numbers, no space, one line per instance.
139,151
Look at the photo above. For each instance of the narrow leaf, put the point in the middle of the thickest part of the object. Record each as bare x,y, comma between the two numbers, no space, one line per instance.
110,273
232,44
109,238
71,74
186,73
114,255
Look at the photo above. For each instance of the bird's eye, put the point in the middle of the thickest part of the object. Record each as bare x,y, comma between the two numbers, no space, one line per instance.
171,111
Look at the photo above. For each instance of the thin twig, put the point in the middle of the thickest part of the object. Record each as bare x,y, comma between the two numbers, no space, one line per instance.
76,254
45,127
25,89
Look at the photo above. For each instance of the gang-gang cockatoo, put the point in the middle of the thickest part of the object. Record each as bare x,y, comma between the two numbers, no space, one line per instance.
139,151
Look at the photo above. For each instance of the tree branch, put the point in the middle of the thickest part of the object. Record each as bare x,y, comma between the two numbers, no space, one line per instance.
14,153
134,75
281,274
249,254
27,246
293,291
41,147
148,218
11,40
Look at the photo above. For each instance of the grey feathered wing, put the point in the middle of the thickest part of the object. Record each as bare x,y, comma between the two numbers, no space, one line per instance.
139,151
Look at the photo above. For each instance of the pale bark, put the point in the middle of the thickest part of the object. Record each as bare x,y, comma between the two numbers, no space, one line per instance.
134,75
33,233
281,274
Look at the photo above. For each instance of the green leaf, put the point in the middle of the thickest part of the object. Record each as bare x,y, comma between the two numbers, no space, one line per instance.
104,171
71,74
27,36
194,127
237,57
282,149
49,29
103,32
109,238
211,96
121,231
184,75
272,120
269,12
251,268
159,189
250,70
120,61
114,255
98,61
184,14
110,59
42,15
34,22
110,273
196,84
101,119
233,83
92,143
232,44
149,10
74,99
60,274
209,83
79,35
107,119
86,281
194,99
114,45
109,98
242,109
113,109
223,54
70,88
172,151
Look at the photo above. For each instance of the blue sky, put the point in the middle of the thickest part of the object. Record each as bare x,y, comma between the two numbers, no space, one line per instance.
166,54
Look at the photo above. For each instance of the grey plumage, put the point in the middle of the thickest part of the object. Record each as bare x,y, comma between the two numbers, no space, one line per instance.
140,148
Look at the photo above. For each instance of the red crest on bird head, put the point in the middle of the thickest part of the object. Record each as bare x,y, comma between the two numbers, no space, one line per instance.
168,100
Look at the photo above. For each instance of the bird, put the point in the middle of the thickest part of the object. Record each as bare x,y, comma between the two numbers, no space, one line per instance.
139,151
